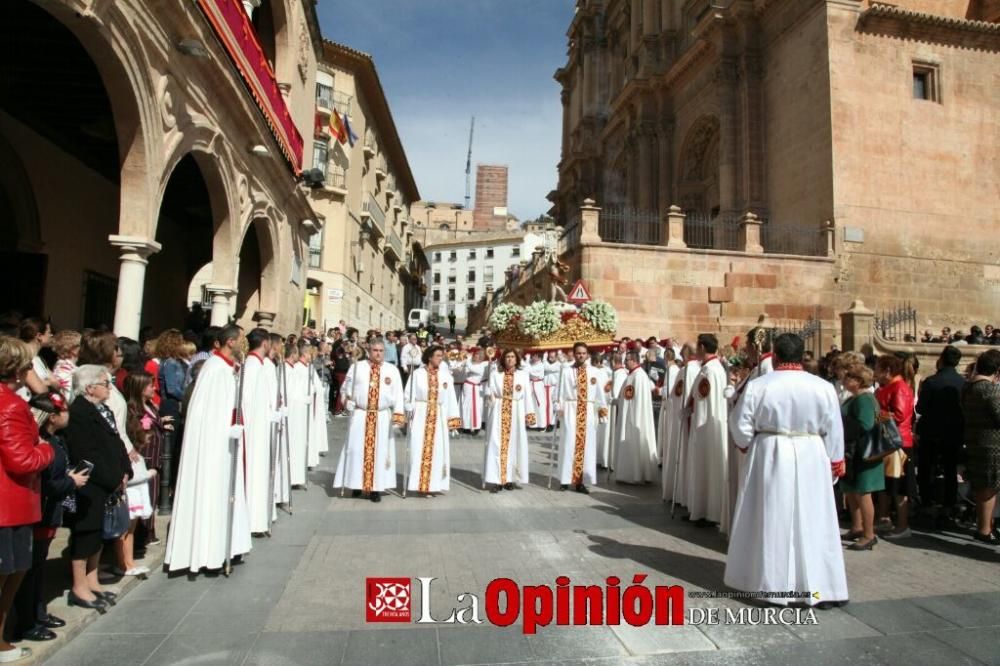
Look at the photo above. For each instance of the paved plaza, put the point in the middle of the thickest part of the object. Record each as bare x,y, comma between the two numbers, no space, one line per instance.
300,596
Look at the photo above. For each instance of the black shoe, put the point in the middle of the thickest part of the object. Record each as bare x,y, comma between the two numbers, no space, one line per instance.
97,604
109,598
564,486
852,536
494,489
39,633
986,538
868,545
355,493
508,486
52,622
580,488
829,605
701,522
376,497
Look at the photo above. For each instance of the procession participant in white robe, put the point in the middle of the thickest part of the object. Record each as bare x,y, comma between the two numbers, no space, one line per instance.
276,364
258,409
675,460
603,425
472,391
757,355
663,424
376,404
296,379
197,536
581,404
317,415
785,532
456,365
635,450
507,434
539,401
618,376
432,413
708,446
311,387
553,365
409,356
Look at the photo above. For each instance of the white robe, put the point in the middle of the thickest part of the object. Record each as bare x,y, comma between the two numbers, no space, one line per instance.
472,395
258,410
552,369
429,438
387,413
675,465
734,481
282,476
604,425
785,533
297,377
708,446
317,420
540,398
507,416
578,439
197,535
663,423
635,451
618,377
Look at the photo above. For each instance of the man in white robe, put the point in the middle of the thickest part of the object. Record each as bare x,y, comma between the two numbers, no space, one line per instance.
296,377
675,460
553,366
409,357
708,444
635,450
432,412
506,457
539,400
581,404
663,424
603,425
472,391
198,525
258,411
618,376
317,418
785,532
282,479
376,406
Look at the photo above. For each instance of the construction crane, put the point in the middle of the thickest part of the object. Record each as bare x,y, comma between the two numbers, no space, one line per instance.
468,166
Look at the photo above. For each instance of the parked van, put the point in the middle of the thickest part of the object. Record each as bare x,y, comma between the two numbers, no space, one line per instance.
416,318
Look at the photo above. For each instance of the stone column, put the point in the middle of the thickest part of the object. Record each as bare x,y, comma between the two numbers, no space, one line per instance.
264,319
665,142
646,172
674,227
221,296
589,80
589,220
635,29
750,234
135,252
829,238
726,78
753,149
856,326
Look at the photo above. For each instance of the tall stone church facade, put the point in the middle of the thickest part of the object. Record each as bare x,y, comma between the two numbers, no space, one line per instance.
877,124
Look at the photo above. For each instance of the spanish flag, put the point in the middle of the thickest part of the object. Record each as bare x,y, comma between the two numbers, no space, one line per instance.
337,129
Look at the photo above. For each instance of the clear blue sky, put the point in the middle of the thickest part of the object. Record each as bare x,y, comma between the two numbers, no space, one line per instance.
443,61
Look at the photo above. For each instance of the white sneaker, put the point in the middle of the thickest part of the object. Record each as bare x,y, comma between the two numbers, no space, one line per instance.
136,571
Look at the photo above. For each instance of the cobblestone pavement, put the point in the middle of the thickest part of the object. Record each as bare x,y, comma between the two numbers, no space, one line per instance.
300,596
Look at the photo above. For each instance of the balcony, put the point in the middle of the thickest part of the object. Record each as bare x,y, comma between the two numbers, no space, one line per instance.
324,101
381,170
370,147
395,246
342,102
336,181
397,203
371,210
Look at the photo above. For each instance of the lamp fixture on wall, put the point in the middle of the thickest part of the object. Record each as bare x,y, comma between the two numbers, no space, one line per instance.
193,47
260,150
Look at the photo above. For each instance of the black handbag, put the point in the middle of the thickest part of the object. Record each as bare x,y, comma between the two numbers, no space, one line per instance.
883,441
116,517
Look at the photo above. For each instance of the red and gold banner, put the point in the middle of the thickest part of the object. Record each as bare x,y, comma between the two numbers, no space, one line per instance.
232,26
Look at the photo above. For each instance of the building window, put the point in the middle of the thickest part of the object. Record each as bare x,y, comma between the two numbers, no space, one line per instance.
926,83
451,276
451,295
453,256
515,251
471,276
437,278
316,250
489,253
437,256
436,295
472,254
320,156
324,96
488,275
472,294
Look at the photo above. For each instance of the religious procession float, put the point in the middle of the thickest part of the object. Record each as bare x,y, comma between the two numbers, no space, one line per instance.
546,325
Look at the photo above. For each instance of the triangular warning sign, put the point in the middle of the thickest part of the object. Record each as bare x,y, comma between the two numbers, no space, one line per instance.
578,294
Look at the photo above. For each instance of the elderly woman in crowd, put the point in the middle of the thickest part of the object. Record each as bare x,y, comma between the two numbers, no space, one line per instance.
895,399
66,345
862,478
22,458
58,482
93,436
981,411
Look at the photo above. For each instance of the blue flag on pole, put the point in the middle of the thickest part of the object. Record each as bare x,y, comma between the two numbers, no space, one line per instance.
351,136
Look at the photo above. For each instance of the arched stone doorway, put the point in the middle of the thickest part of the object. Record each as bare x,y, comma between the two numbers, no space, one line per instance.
698,186
256,283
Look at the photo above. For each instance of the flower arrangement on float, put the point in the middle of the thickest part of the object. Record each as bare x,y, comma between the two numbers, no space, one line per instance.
546,325
539,319
601,316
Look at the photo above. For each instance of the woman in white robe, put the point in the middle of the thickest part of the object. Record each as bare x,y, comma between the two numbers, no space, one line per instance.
472,392
298,436
785,534
507,434
433,413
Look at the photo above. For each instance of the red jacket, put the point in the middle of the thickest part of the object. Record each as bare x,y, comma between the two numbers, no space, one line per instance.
896,397
23,456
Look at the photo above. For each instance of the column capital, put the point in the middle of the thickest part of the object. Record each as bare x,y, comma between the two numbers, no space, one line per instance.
220,290
264,319
143,247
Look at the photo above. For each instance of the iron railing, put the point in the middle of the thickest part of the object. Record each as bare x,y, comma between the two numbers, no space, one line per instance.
703,231
898,324
336,177
342,102
810,330
370,206
395,244
623,224
784,238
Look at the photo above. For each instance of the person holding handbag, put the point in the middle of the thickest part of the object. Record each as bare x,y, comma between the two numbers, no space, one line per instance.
895,399
863,477
92,436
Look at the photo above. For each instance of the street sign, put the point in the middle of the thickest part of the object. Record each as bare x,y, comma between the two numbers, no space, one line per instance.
578,295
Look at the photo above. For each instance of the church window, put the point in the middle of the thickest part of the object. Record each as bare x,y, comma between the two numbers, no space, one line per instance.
926,84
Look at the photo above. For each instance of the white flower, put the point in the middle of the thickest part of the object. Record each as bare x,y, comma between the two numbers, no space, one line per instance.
503,314
539,319
601,316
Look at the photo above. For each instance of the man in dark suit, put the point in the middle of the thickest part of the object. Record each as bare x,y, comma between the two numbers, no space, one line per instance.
940,429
